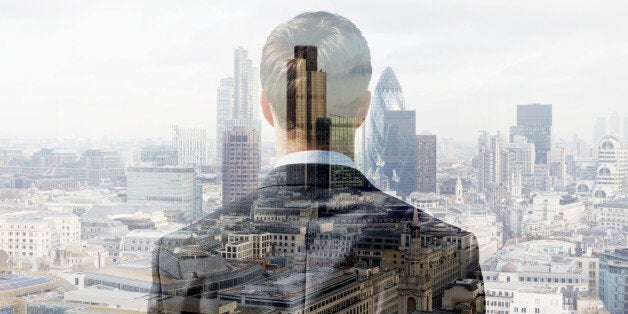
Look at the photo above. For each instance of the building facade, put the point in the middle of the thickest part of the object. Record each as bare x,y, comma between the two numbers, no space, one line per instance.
166,187
240,163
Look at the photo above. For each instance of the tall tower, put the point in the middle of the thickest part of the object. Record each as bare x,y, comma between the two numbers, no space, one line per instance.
245,86
534,121
238,103
306,96
388,96
240,163
225,107
415,284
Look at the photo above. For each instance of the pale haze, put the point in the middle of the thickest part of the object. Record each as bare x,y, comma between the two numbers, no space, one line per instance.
119,69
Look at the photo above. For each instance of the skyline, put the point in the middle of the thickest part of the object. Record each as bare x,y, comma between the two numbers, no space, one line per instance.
74,73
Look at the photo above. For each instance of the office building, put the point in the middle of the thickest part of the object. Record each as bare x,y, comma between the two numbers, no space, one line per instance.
172,188
160,156
614,280
534,121
224,112
245,86
240,163
426,162
238,103
191,145
33,234
492,162
399,170
306,97
521,156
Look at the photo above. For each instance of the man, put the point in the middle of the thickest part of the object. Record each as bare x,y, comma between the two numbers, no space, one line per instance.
316,237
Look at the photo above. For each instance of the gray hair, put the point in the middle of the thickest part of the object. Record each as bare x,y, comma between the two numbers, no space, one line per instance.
342,53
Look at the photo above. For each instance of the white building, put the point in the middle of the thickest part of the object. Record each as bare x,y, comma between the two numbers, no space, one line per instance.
612,169
171,188
612,214
512,278
142,241
521,156
31,234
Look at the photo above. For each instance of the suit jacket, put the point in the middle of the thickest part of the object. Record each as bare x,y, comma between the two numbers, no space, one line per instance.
315,238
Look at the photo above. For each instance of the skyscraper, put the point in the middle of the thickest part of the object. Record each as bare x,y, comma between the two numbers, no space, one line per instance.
426,162
240,163
224,97
238,102
388,96
534,121
492,162
400,154
191,145
306,96
245,86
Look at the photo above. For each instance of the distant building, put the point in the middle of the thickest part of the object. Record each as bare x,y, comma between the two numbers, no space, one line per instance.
534,121
613,214
387,96
492,162
426,162
224,112
94,167
191,145
612,168
399,157
160,155
33,234
599,130
521,156
165,187
240,163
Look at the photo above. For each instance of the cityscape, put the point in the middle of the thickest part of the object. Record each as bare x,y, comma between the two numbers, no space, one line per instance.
404,220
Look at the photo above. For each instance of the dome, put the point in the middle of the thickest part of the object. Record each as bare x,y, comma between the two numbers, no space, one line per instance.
610,142
509,268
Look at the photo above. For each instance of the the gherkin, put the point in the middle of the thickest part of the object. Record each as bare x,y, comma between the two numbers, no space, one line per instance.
388,96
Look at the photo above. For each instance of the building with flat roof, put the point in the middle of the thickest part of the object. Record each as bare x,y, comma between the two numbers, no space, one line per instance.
167,188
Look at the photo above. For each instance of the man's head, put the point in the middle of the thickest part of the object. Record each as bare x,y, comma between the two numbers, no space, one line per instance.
342,53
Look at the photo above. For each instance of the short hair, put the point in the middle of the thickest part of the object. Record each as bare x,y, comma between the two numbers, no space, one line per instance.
342,53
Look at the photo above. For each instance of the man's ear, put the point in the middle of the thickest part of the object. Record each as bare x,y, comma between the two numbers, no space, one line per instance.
268,114
365,104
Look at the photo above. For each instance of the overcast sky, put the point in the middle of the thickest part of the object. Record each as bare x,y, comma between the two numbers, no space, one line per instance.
121,69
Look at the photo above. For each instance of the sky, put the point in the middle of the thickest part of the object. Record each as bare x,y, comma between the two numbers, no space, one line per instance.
134,68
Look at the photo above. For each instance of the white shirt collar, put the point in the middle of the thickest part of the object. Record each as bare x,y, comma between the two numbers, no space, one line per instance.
316,157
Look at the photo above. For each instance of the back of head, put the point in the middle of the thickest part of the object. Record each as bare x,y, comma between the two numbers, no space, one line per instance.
342,53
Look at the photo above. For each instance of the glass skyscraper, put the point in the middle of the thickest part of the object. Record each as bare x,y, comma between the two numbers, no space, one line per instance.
388,96
534,122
